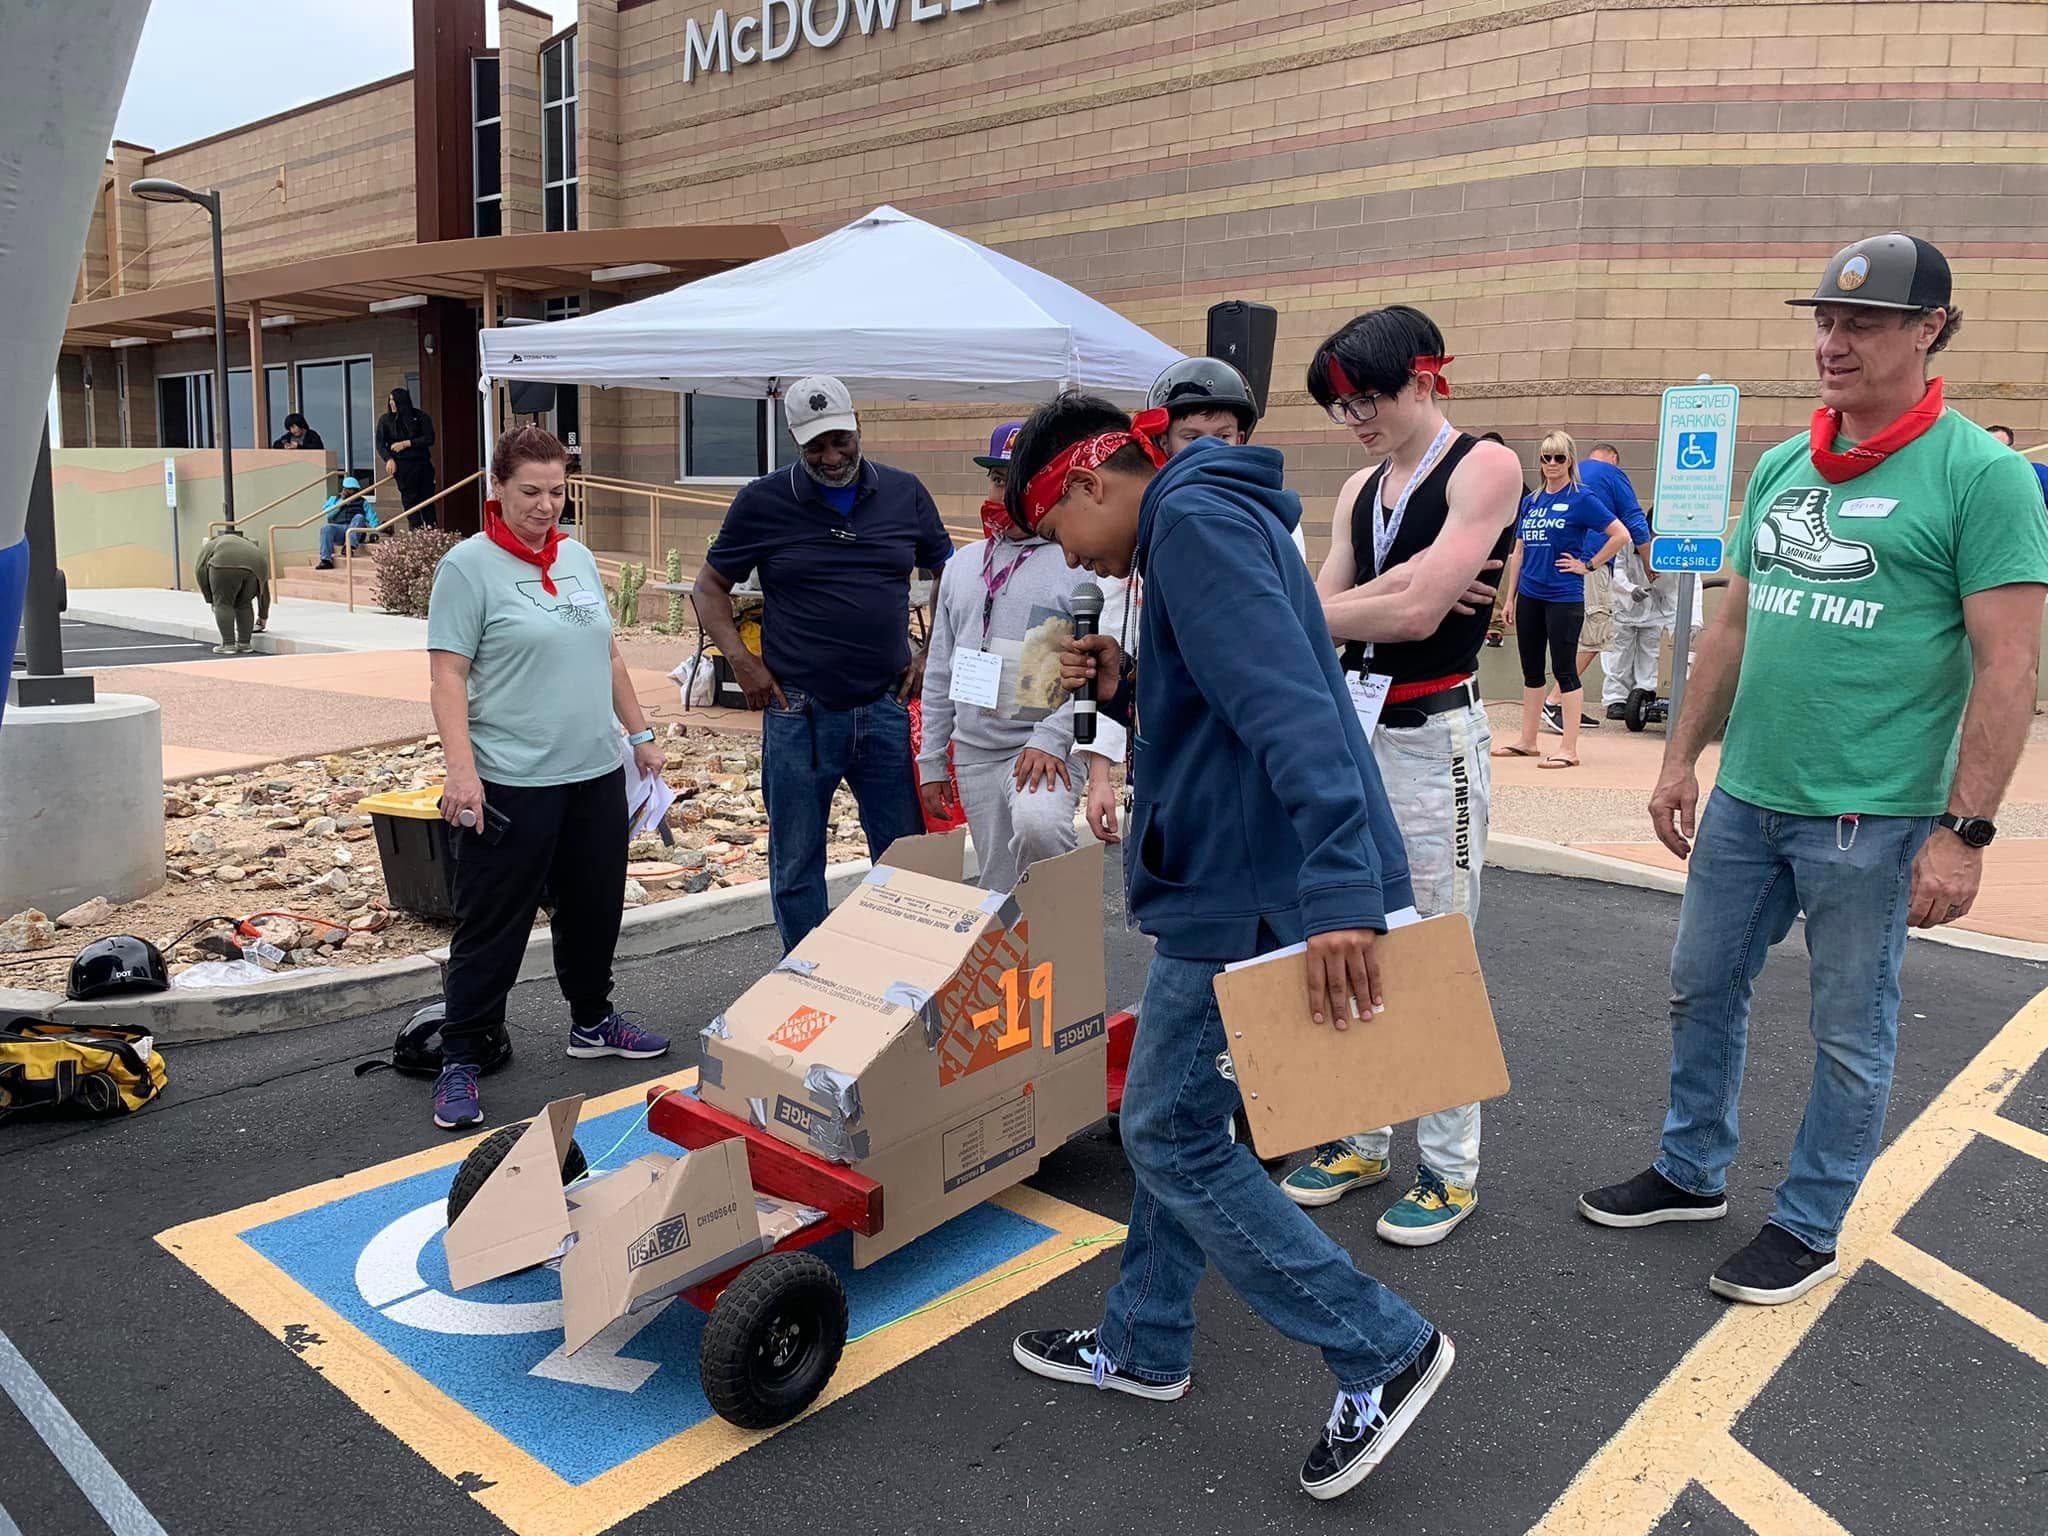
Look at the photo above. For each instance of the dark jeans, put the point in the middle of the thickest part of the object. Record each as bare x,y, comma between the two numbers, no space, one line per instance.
330,534
1203,1199
415,479
568,840
807,752
1540,622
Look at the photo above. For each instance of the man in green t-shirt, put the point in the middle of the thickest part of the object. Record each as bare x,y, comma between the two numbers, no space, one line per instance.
1890,569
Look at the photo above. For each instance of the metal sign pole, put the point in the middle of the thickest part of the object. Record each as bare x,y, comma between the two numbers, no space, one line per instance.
1682,644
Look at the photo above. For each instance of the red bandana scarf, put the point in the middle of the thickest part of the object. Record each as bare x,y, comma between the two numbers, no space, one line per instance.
502,536
1848,463
1432,367
1043,491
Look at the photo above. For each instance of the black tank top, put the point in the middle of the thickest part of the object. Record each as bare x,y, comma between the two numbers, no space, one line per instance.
1453,649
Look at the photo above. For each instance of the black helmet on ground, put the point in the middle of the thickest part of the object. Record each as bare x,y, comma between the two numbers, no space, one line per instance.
113,967
1204,384
417,1052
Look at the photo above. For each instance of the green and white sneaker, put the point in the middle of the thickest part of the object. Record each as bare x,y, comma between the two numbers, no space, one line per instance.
1332,1174
1428,1212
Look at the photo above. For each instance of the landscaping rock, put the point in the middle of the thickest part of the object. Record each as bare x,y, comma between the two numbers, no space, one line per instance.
321,826
86,913
636,894
26,931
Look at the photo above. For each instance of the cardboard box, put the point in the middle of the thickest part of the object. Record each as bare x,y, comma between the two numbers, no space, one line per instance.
937,1037
634,1236
1435,1047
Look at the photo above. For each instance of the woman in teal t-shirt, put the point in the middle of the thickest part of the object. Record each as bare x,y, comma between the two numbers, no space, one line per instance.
1545,599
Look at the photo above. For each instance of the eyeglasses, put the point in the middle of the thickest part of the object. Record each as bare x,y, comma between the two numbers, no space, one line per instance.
1553,458
1354,410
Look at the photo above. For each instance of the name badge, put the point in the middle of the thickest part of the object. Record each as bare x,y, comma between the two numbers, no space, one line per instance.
1368,697
977,678
581,599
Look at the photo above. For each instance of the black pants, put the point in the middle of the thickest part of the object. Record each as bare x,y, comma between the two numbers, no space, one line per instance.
415,484
568,840
1539,623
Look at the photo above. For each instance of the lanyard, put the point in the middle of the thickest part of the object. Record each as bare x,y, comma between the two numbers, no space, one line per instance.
1386,526
994,581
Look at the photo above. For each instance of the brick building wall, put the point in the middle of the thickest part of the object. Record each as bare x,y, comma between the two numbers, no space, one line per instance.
521,32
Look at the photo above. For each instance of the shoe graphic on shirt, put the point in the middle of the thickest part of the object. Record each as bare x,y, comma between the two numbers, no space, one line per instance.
1793,535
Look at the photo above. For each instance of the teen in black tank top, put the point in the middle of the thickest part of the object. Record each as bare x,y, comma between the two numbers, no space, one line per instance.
1452,650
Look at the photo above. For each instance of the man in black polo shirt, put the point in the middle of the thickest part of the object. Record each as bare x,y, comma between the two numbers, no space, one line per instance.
835,538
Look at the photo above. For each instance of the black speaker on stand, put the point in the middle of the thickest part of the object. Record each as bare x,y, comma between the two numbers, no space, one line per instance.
1241,334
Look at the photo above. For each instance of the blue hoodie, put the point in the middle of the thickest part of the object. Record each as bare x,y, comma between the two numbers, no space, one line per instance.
1614,489
1257,800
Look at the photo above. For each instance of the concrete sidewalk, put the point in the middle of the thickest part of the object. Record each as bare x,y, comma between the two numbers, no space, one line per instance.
296,627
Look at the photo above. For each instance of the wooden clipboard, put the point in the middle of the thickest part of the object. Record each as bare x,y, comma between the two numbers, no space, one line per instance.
1434,1048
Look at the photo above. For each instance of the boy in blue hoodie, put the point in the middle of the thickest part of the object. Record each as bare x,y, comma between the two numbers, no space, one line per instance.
1242,840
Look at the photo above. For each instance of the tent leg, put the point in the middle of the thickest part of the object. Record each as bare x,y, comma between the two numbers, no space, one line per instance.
490,389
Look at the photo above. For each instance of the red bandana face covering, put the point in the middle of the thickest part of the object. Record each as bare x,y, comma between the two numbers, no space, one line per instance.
995,521
1846,464
1044,490
496,530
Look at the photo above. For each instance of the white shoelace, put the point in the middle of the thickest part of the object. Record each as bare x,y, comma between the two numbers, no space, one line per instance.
1365,1407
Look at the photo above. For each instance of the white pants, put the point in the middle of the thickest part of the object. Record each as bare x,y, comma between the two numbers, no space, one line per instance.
1439,778
1015,828
1630,662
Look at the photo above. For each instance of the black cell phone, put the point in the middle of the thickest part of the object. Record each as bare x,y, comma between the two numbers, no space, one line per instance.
496,825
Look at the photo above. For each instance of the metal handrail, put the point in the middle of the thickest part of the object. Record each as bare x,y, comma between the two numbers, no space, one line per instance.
348,549
274,529
270,506
655,494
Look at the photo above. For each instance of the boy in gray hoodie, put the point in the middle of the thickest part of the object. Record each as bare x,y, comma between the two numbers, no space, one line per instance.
992,694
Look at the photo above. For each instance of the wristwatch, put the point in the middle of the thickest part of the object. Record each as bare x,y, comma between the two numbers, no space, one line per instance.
641,738
1975,831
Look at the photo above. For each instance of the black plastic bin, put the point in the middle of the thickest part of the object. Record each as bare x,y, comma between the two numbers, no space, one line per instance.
413,844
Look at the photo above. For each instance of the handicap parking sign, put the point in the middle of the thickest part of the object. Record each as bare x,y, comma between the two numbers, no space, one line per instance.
1697,450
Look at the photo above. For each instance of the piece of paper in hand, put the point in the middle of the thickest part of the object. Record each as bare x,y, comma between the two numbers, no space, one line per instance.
1401,917
647,799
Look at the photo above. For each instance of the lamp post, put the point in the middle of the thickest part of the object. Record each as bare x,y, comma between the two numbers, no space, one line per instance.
154,189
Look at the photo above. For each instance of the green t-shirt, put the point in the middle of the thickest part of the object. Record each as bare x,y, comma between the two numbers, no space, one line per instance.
1856,666
540,674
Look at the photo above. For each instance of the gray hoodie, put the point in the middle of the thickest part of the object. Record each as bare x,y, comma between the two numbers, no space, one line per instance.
1031,616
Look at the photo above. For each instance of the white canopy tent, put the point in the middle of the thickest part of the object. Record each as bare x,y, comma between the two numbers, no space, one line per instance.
896,308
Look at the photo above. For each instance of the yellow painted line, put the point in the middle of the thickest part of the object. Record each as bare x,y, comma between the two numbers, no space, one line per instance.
2004,1320
2020,1138
1672,1438
1758,1496
530,1498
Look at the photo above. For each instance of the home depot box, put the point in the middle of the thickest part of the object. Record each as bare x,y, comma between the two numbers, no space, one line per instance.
636,1235
937,1037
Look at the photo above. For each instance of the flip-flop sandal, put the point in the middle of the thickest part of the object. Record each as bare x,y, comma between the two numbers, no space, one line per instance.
1558,760
1512,751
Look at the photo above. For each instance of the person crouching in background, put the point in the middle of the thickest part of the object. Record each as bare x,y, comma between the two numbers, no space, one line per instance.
526,681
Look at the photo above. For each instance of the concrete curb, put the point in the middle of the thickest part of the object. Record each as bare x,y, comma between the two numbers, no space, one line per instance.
1528,855
175,629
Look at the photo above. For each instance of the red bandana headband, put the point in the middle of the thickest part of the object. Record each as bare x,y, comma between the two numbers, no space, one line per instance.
1043,491
1434,367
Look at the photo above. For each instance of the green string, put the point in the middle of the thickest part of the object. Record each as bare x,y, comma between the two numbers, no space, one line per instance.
1022,1269
591,1169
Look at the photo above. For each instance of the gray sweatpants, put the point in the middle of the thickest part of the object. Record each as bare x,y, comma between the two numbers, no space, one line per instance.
1630,662
1439,778
234,605
1013,828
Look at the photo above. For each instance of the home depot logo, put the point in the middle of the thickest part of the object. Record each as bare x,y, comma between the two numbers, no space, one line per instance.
801,1028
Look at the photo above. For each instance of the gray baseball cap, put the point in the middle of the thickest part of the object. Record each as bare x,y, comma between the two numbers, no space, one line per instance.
1892,271
816,405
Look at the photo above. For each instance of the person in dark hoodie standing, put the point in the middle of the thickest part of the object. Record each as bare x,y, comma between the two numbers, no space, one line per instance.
405,444
1242,840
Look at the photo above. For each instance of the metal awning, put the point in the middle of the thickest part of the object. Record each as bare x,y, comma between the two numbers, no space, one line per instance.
344,287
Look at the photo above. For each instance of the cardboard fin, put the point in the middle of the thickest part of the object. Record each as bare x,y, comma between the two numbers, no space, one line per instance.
1062,901
942,855
1434,1048
520,1216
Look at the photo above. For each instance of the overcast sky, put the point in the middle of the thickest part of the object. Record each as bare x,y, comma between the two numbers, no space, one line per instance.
207,65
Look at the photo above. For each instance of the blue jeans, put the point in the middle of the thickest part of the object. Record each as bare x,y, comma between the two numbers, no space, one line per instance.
1203,1198
807,751
330,535
1753,871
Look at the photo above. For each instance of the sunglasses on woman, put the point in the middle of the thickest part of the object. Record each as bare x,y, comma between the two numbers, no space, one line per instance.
1554,458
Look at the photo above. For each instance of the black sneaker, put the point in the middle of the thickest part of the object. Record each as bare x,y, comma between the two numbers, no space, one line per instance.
1589,722
1617,711
1071,1354
1647,1199
1364,1426
1775,1268
1553,720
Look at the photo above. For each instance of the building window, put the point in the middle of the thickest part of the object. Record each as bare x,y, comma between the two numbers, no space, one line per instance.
338,398
733,440
184,410
241,418
485,125
558,135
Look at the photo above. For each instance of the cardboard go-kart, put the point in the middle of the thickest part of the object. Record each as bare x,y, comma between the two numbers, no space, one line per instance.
924,1049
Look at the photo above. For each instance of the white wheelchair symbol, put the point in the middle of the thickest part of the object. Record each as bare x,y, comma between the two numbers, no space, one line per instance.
388,1278
1692,456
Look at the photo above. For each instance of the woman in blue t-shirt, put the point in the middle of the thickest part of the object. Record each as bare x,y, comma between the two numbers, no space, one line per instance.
1545,595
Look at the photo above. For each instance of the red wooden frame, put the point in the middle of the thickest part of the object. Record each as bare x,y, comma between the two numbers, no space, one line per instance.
777,1168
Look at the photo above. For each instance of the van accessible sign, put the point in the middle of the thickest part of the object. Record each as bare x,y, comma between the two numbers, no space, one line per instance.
747,38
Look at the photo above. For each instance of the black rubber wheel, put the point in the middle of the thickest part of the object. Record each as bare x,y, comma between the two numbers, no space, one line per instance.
1639,702
773,1340
483,1161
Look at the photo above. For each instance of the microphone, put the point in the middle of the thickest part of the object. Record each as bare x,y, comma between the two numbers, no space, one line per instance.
1087,605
